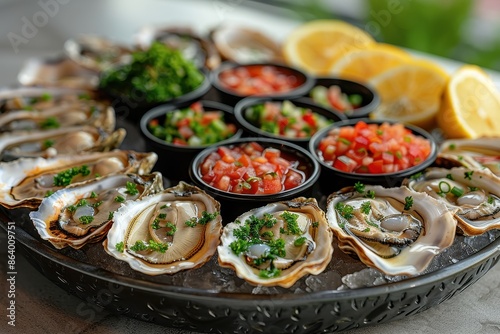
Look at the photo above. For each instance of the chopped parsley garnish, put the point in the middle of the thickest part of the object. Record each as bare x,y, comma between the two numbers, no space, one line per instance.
370,194
50,123
491,200
49,192
64,178
344,210
291,223
359,187
408,202
97,204
48,143
369,222
473,188
203,220
151,246
172,228
315,224
45,97
269,273
468,175
299,241
119,199
267,235
93,194
416,176
162,215
156,224
71,208
131,188
452,147
366,230
110,215
366,207
120,247
449,177
82,202
86,219
164,206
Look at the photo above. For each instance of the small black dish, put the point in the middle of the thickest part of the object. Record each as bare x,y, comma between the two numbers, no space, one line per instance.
254,129
133,106
333,179
231,97
234,204
369,97
174,160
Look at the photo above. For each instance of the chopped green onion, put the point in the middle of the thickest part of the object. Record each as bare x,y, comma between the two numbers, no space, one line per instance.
457,191
444,187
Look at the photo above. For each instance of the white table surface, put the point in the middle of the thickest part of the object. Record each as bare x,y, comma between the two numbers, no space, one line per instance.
42,307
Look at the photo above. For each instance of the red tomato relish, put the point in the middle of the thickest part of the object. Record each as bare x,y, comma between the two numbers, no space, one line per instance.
259,79
252,169
373,148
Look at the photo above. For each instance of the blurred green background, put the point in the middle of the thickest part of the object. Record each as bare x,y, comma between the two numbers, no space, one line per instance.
465,30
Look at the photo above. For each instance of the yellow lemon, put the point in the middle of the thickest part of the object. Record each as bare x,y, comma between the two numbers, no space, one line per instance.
315,45
410,93
471,105
364,64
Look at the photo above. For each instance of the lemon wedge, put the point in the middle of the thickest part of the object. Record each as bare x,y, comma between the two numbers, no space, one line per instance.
316,45
471,105
410,93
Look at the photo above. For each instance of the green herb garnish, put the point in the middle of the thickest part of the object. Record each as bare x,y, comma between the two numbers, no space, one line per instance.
408,202
359,187
120,247
468,175
64,178
119,199
49,123
203,220
370,194
93,194
344,210
457,191
299,241
291,223
131,188
48,193
86,219
366,207
151,246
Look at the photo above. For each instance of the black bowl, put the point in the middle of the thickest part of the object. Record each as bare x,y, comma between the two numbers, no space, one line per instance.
233,204
133,106
333,179
254,130
174,160
370,98
231,97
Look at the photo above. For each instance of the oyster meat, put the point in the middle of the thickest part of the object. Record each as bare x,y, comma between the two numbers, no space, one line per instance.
396,230
277,244
26,181
82,213
471,153
174,230
49,143
54,109
473,194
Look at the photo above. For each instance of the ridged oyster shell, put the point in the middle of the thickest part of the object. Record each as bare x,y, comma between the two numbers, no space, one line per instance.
471,153
477,210
175,222
26,181
375,225
49,143
62,218
261,263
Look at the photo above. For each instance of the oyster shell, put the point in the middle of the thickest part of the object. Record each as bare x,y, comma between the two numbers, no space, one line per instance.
246,45
473,194
96,53
26,181
49,143
193,47
42,112
471,153
277,244
386,235
176,229
82,213
57,72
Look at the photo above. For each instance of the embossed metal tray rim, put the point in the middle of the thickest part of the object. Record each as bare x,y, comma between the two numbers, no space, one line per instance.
33,245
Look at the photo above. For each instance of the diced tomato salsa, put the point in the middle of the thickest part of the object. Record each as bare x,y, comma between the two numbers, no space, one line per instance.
252,169
373,148
286,119
333,97
259,79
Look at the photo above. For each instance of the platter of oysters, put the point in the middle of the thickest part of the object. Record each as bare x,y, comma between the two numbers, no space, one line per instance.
95,211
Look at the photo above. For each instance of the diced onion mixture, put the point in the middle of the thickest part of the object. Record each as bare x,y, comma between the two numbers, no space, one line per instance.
286,119
192,126
373,149
252,169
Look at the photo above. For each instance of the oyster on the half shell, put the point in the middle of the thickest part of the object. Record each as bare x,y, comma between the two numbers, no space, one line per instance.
474,195
49,143
82,213
174,230
396,230
277,244
471,153
26,181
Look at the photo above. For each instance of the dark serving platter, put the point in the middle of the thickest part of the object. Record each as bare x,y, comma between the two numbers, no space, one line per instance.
116,288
